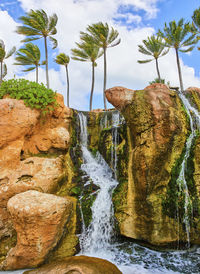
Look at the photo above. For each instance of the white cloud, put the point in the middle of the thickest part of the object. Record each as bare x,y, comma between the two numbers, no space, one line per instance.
10,38
123,69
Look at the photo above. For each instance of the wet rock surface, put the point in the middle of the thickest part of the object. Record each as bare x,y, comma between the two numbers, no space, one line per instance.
78,265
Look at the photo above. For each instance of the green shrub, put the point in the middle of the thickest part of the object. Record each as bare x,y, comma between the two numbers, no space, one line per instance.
33,94
162,81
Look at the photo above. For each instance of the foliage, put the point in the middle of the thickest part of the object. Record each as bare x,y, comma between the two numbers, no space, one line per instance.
104,37
36,25
87,51
157,80
196,24
33,94
154,47
62,59
178,36
3,56
27,56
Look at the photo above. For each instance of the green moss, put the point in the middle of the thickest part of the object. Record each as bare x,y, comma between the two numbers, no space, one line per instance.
6,244
120,195
174,201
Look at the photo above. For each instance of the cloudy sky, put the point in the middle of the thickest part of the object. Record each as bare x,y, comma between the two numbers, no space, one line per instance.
135,20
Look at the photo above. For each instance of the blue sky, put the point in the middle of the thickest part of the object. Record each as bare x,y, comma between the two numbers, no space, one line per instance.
134,19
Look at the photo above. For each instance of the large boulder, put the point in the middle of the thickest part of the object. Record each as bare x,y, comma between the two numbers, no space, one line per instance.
157,132
42,174
78,265
119,97
39,220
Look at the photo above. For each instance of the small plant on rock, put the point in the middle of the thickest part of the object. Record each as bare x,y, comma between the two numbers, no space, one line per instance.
33,94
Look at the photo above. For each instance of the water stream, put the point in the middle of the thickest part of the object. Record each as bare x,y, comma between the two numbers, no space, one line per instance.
98,239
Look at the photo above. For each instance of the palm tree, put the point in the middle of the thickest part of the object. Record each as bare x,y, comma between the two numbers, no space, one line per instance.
177,36
29,56
63,59
196,23
37,24
104,37
153,47
88,52
3,56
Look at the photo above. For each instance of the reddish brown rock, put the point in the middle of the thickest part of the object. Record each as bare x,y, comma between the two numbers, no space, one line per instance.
16,120
39,220
36,173
119,97
193,89
78,265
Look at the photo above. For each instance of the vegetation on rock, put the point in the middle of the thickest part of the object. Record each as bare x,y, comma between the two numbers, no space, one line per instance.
33,94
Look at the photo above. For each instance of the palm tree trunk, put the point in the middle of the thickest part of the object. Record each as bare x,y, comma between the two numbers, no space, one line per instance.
46,56
179,70
67,74
92,88
158,72
36,73
1,77
105,79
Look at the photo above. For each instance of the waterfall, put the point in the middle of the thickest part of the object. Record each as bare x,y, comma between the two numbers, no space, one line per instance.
96,239
115,126
181,181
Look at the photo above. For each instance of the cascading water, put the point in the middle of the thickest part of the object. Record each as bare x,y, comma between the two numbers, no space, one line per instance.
181,181
97,240
97,237
115,125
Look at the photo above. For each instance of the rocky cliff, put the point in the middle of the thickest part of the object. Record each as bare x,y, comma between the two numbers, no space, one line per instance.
33,166
157,130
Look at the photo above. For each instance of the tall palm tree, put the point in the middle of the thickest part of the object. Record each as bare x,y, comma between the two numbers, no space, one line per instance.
178,36
63,59
37,24
88,52
3,56
153,47
29,56
104,37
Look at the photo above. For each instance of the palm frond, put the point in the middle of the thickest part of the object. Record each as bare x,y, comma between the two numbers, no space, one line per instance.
144,61
53,41
10,53
4,73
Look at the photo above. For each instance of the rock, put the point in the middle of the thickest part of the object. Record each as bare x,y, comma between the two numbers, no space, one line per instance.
193,89
16,120
34,173
39,220
119,97
78,265
157,132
